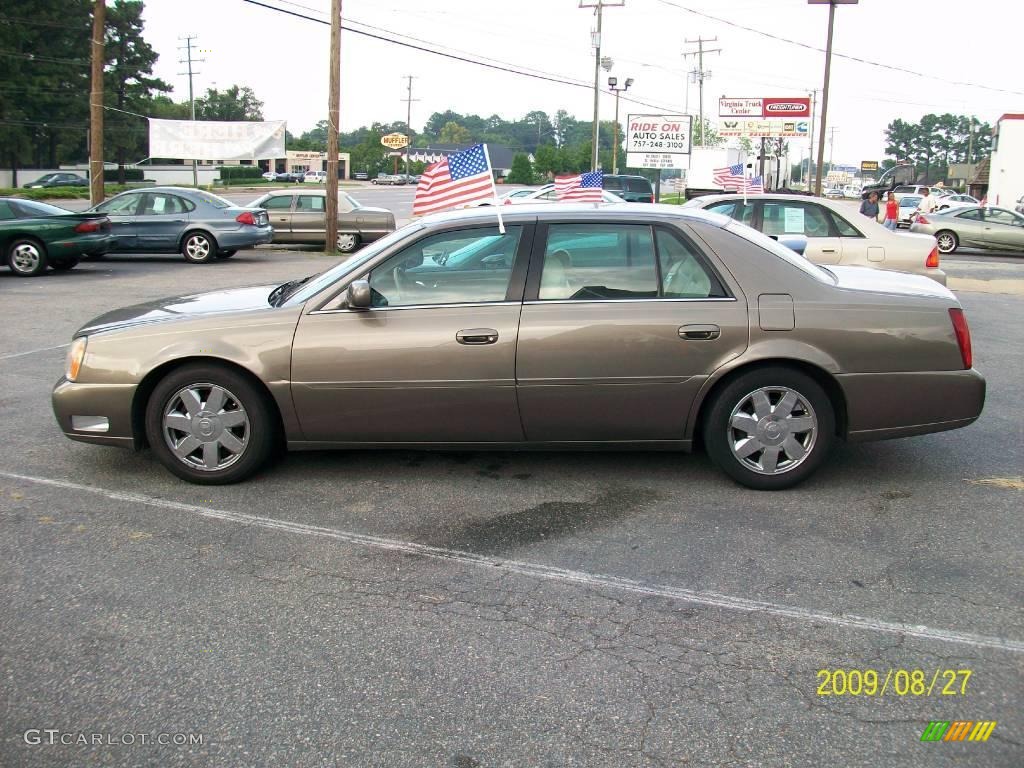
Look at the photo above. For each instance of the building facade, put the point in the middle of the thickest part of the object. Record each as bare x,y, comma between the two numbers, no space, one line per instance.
1006,169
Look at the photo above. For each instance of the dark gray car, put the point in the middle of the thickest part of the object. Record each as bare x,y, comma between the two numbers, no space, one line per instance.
199,225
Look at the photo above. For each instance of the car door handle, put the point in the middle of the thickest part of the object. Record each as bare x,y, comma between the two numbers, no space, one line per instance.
477,336
828,250
699,332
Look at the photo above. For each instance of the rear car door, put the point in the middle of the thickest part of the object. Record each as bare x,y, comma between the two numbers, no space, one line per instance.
161,221
279,209
433,358
309,219
1004,229
779,218
621,324
121,212
970,227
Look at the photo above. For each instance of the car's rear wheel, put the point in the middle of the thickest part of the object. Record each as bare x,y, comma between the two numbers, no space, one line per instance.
770,428
63,265
198,248
26,257
226,254
347,241
209,424
947,241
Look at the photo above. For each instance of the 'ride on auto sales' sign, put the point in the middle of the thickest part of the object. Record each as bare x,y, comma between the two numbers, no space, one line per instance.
657,141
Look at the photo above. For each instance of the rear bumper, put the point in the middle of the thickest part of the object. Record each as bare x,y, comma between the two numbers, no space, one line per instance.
880,406
246,237
82,245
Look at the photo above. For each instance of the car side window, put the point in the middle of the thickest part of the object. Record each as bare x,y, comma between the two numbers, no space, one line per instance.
469,266
726,209
972,215
158,204
277,203
903,189
845,228
122,205
794,219
308,203
1000,217
735,209
6,211
587,262
684,273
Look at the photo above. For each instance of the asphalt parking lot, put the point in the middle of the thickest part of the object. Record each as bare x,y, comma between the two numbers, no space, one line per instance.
499,609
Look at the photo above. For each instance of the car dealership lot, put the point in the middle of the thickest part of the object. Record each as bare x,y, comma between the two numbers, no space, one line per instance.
490,609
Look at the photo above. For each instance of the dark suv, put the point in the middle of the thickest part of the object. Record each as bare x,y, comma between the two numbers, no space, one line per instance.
633,189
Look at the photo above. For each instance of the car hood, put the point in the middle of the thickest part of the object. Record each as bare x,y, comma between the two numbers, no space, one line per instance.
181,307
888,281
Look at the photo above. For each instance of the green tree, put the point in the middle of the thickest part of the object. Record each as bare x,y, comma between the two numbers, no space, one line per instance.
453,133
546,159
522,170
231,104
128,83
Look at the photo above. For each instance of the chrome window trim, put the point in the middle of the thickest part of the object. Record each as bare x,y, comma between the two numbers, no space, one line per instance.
624,301
417,306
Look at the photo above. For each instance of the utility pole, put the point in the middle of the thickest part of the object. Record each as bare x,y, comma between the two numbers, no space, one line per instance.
810,152
187,47
598,6
333,117
99,19
408,120
701,73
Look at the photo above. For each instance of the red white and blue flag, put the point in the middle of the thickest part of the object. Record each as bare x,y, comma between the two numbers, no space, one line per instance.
733,179
460,178
755,186
581,188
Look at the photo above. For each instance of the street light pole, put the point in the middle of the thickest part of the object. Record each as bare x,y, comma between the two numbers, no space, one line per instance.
613,85
824,91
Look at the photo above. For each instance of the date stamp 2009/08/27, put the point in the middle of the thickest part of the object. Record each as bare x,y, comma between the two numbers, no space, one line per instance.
896,682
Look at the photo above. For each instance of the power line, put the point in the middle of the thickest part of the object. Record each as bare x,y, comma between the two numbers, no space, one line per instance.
808,46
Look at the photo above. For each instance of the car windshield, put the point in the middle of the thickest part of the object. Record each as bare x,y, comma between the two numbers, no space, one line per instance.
325,279
41,209
909,201
772,246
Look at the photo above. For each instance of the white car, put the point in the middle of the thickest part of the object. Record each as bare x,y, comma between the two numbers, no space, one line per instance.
315,177
270,176
834,231
956,201
545,194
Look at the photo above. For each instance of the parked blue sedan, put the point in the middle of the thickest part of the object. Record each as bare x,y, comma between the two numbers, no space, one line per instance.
199,225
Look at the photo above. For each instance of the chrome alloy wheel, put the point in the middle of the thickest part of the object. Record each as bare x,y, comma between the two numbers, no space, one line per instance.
197,247
347,242
946,242
25,258
206,427
772,430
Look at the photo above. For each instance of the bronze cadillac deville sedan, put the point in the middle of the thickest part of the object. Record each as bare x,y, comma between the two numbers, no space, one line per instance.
579,326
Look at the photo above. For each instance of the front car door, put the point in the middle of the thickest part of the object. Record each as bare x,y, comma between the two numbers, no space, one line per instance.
433,358
279,209
779,218
309,219
621,325
161,221
970,227
121,212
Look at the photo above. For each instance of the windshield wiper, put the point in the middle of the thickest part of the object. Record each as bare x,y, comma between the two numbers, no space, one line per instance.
279,295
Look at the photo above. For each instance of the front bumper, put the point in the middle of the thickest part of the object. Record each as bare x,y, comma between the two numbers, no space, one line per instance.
86,401
880,406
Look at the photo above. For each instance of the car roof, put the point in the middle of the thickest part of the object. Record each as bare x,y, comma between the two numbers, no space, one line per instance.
528,211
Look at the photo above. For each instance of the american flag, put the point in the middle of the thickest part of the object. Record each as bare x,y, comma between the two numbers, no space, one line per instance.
755,186
583,187
731,177
453,181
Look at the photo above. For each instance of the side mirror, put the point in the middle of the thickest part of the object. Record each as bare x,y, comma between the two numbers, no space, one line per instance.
358,294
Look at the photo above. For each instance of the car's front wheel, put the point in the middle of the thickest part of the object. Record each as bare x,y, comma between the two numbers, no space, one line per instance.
209,424
26,257
947,241
347,242
198,248
770,428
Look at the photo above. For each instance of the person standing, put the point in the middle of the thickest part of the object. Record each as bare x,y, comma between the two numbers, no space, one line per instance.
928,203
869,207
892,212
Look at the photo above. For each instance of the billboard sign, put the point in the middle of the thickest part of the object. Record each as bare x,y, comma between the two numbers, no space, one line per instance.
216,140
657,141
394,140
751,129
780,108
868,166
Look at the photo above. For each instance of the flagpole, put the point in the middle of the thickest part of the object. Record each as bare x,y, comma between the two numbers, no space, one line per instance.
494,189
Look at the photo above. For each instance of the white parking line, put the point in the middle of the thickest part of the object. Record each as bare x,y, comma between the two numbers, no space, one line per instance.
33,351
551,573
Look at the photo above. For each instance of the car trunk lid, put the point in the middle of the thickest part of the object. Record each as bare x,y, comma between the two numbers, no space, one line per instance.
888,281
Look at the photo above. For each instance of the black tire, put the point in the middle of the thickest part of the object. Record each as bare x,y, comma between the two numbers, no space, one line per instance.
63,265
258,434
946,236
198,247
719,436
226,254
26,257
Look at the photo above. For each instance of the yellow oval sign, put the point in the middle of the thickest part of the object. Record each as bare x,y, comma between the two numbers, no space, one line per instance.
394,140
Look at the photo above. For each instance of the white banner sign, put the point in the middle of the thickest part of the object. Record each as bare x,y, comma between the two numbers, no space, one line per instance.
657,141
740,107
795,129
212,140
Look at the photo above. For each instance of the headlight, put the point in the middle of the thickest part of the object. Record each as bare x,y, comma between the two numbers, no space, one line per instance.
76,354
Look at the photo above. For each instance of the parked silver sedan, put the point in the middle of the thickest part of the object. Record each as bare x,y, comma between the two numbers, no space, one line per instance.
199,225
300,216
576,326
973,227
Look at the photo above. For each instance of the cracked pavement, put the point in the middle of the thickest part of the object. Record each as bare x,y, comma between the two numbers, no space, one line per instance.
303,650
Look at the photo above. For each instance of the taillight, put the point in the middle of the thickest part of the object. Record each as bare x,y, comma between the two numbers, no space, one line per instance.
932,262
246,218
963,336
922,219
89,225
650,199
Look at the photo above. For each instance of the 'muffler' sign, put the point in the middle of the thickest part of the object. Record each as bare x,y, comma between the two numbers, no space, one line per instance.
780,108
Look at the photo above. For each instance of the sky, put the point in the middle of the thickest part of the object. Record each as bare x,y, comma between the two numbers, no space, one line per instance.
284,59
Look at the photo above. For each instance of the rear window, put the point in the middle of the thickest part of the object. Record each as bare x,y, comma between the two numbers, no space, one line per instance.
638,185
612,182
753,236
33,208
215,200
